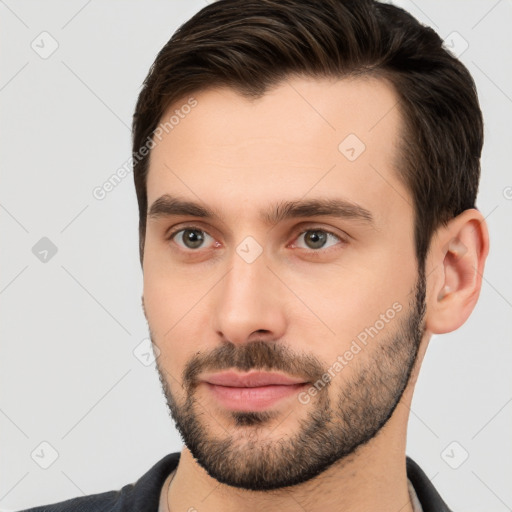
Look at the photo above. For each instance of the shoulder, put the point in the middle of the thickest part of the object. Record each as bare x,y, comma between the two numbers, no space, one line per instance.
143,495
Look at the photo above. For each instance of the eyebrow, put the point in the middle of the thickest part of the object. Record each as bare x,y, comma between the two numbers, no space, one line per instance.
168,206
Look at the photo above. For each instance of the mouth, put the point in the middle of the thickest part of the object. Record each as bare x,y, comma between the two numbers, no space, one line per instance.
251,380
254,391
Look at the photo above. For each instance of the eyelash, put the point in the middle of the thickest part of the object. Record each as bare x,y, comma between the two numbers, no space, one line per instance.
313,252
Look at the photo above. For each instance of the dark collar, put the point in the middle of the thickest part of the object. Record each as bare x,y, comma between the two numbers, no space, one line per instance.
429,498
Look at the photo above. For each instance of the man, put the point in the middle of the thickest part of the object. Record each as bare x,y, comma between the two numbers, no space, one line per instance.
306,174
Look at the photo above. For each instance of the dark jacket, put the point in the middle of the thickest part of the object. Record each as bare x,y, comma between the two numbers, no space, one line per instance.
144,494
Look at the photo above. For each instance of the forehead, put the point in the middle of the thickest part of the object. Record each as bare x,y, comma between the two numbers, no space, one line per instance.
305,136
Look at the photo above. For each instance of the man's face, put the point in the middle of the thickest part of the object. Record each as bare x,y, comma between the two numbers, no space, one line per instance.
332,299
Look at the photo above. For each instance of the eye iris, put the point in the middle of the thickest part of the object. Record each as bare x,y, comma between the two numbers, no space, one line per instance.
318,238
192,238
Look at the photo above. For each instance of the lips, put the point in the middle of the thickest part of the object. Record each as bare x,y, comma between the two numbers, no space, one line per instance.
251,380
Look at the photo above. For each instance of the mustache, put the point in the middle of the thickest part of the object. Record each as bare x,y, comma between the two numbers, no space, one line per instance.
256,355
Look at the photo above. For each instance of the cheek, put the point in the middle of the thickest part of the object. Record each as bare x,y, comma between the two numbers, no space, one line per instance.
175,305
166,291
165,309
352,298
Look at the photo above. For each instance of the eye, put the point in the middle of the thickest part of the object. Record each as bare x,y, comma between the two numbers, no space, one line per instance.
191,237
317,238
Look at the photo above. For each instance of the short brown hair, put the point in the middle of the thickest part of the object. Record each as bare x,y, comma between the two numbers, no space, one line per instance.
250,45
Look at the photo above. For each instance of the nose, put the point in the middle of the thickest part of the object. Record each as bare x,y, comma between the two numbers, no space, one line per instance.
249,303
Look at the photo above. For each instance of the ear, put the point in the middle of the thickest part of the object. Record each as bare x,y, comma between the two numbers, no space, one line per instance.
456,264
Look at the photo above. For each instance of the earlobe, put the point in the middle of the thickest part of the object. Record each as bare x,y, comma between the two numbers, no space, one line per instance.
460,249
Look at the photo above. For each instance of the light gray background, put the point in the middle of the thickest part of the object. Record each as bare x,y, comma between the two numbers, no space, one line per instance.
68,373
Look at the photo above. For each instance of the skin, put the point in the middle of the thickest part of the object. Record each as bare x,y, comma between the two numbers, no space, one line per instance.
238,156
